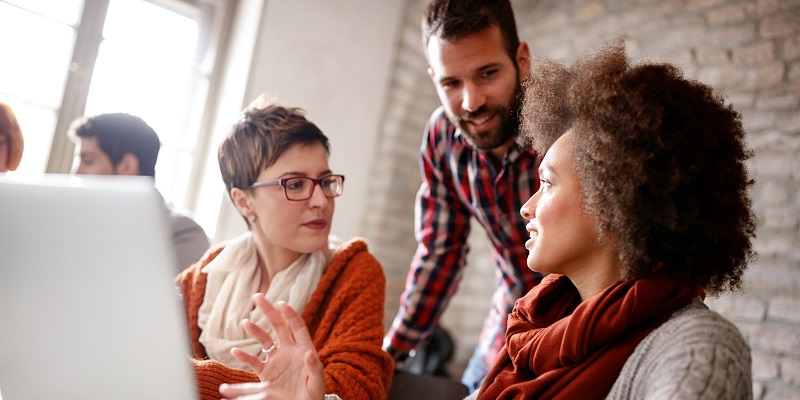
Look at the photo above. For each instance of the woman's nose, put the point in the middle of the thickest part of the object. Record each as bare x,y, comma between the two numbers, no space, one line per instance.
318,197
527,209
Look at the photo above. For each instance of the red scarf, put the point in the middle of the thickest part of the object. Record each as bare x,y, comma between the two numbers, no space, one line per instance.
560,347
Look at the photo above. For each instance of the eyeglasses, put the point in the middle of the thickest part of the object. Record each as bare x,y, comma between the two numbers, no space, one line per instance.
302,188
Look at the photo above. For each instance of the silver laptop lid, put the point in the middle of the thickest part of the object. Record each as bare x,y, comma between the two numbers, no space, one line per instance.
88,309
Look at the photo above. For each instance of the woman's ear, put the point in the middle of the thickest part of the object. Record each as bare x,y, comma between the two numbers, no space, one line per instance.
241,199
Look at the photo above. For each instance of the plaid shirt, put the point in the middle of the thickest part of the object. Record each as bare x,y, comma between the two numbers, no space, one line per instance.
460,182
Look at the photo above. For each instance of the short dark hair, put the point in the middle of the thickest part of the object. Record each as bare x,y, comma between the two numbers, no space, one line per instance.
118,134
455,19
661,162
255,142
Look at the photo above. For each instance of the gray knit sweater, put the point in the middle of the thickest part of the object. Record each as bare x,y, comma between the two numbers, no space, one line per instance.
696,354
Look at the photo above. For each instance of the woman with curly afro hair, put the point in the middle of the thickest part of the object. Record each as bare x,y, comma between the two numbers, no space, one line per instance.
643,209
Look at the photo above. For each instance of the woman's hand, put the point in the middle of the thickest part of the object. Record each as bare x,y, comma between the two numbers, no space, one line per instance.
266,390
290,368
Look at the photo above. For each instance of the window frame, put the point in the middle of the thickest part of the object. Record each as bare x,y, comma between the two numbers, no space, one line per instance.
214,18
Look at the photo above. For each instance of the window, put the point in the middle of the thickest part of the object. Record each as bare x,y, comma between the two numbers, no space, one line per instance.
34,71
151,58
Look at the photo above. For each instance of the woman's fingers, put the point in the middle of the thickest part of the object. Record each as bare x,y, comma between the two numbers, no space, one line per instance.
253,391
297,326
315,387
258,333
275,319
255,396
248,359
241,389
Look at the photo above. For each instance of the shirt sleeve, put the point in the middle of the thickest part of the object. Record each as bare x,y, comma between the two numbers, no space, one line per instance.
441,230
189,240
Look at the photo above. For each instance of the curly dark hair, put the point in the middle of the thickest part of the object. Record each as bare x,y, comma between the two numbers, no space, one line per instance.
661,162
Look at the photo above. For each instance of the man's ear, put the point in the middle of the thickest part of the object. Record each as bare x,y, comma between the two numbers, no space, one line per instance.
128,165
523,61
241,200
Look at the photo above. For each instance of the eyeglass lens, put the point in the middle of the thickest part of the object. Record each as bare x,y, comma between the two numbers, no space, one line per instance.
302,188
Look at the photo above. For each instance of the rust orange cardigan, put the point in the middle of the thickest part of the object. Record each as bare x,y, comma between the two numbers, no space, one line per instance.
344,317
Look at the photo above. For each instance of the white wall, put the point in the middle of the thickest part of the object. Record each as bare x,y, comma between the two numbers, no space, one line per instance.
332,58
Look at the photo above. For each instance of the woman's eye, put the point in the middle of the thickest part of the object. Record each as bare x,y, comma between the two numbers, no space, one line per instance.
295,184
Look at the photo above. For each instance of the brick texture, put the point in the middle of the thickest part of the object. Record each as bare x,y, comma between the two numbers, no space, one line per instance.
747,49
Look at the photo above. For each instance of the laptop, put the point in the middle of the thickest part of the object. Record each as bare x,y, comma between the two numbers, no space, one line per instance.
88,308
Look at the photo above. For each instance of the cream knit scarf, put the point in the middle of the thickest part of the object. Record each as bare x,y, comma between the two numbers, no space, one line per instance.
233,278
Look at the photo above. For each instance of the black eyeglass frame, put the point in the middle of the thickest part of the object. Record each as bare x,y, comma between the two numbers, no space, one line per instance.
284,181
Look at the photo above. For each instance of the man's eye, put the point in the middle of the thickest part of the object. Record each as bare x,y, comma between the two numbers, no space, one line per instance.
449,84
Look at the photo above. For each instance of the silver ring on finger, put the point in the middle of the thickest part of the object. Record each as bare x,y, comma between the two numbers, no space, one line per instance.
266,352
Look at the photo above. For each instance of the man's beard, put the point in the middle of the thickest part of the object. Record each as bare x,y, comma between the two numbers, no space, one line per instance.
500,134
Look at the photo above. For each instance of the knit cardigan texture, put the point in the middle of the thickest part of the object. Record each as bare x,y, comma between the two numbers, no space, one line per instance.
344,317
696,354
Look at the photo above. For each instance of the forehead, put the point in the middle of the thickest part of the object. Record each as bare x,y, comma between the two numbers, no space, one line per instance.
301,158
464,55
559,155
88,145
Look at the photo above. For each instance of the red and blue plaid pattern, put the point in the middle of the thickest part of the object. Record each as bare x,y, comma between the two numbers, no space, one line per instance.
459,183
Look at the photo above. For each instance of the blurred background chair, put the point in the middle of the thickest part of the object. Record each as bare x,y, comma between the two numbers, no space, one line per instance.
422,375
431,358
407,386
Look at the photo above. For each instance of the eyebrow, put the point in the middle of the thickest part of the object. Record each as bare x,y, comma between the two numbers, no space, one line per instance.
292,174
480,69
490,66
547,167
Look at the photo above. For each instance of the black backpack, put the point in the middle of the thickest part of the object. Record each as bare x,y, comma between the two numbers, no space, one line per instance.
431,358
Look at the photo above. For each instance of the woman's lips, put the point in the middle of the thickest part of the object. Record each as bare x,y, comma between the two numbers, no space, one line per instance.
316,224
533,236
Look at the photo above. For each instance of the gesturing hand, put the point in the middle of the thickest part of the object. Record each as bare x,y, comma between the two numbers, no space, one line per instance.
290,367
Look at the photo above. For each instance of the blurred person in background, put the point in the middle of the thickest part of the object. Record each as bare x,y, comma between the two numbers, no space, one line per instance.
124,144
11,142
